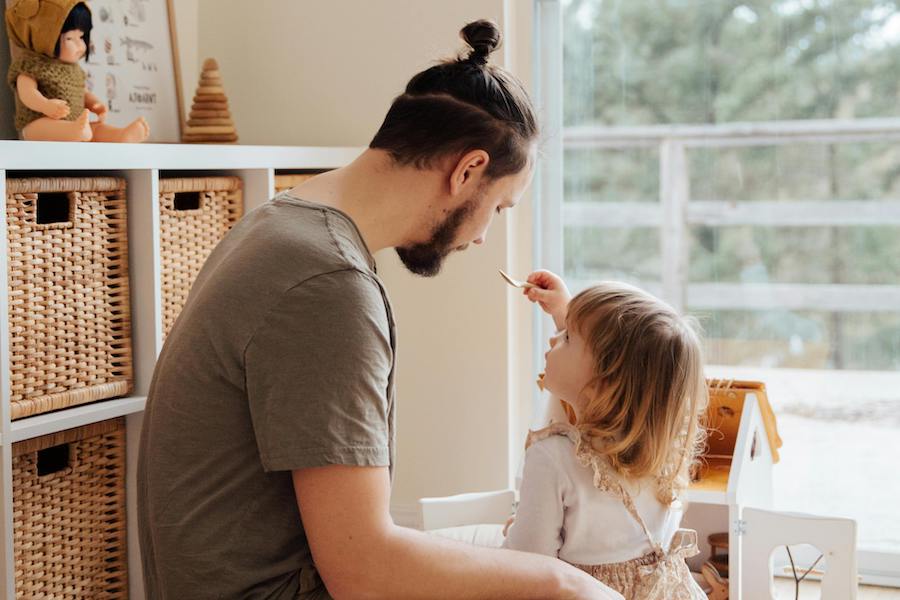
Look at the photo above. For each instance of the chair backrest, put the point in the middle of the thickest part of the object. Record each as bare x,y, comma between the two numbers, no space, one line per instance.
766,530
466,509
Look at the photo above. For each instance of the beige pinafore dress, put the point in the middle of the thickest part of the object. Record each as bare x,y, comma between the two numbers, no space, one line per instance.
661,574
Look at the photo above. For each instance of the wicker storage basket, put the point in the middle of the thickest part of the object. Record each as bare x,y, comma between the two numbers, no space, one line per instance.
195,213
286,181
70,320
69,528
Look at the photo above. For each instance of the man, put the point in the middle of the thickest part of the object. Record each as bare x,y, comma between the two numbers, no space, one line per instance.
268,435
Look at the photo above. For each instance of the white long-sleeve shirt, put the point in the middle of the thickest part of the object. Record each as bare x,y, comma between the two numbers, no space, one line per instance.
562,514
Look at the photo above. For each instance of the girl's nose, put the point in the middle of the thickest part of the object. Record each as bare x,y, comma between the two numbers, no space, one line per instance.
552,341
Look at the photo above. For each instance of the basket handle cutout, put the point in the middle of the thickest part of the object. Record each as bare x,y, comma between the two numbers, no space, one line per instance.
52,460
187,201
54,207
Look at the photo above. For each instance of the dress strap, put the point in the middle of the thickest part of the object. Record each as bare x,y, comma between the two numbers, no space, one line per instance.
550,430
604,477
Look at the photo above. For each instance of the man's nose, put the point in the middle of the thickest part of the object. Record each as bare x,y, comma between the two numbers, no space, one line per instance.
479,241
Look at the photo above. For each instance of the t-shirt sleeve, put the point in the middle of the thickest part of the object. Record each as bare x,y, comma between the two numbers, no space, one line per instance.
27,64
538,524
317,373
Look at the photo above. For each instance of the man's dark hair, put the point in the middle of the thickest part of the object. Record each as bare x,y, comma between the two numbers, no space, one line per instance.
459,105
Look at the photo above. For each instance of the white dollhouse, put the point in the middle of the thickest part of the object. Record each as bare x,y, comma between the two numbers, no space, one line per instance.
736,471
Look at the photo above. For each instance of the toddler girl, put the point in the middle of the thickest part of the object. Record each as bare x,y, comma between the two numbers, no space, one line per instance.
602,489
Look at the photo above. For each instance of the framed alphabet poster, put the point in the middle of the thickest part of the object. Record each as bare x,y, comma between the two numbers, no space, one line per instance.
133,64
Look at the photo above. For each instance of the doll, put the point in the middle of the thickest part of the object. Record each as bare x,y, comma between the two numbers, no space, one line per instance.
52,102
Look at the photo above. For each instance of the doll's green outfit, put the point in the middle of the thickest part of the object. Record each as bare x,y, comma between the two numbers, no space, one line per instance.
34,26
55,79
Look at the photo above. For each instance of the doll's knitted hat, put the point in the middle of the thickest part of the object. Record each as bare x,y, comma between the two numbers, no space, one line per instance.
37,24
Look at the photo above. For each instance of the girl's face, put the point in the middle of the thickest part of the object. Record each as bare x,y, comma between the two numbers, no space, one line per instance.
71,46
569,367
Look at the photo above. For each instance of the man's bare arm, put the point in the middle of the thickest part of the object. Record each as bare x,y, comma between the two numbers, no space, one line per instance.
361,554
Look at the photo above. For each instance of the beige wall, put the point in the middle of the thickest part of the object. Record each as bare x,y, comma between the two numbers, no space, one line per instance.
324,73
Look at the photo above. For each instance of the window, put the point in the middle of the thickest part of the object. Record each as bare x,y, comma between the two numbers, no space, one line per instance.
740,160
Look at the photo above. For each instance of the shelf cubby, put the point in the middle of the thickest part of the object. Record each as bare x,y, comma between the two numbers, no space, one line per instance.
142,166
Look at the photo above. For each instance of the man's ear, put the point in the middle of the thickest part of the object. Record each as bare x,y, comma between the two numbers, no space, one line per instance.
468,170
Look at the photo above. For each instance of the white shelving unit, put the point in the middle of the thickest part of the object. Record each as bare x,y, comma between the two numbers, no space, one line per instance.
140,165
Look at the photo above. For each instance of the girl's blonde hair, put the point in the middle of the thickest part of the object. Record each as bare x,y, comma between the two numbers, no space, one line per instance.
642,408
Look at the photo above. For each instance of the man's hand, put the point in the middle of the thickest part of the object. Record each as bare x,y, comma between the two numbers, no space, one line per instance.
551,293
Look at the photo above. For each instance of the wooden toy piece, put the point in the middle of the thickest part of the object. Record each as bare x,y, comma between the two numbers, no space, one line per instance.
718,558
718,586
210,120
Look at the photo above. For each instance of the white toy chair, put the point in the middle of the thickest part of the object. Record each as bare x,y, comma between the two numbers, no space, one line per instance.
466,509
476,518
767,530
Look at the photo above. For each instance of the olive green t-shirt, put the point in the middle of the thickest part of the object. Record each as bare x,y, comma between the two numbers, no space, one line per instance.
281,359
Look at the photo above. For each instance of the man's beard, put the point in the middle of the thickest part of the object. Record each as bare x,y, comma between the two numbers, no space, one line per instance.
427,258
